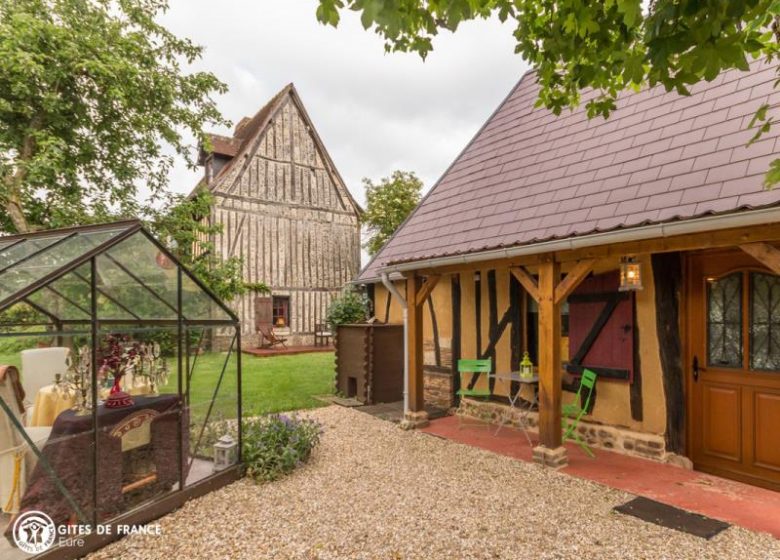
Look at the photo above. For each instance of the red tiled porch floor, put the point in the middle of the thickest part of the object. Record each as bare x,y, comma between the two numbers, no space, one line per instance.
740,504
289,351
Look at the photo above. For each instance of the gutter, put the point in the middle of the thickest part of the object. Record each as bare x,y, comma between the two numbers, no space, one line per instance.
669,229
405,308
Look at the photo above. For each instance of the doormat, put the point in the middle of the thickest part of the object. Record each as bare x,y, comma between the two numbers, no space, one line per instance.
673,518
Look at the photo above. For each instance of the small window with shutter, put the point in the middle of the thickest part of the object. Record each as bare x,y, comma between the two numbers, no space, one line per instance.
281,311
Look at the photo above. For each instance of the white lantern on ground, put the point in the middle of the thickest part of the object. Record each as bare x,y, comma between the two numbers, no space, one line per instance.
225,453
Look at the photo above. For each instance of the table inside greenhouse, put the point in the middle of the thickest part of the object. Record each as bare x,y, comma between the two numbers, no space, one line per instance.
69,452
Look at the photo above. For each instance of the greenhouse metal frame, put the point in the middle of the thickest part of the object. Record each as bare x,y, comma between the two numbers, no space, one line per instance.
36,268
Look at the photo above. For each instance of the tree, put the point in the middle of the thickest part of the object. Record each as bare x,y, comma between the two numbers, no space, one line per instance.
350,306
609,45
181,227
94,103
387,206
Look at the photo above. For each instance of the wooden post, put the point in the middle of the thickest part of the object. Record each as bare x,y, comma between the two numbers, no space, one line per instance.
416,417
550,451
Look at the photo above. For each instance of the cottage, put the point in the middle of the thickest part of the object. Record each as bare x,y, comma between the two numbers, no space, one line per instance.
519,247
286,211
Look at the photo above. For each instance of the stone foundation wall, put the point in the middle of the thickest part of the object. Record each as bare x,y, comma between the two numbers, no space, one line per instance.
437,386
612,438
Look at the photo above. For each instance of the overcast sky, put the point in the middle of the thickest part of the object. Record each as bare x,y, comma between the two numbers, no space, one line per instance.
376,112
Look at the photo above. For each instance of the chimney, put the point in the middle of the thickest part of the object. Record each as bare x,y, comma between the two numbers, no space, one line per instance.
241,124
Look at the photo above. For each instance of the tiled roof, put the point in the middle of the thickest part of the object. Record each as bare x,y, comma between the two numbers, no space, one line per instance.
245,130
224,145
529,176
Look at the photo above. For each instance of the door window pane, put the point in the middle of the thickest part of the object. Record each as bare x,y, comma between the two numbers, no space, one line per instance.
765,322
724,321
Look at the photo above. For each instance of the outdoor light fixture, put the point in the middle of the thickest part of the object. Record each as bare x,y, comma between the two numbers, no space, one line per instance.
630,275
526,367
225,453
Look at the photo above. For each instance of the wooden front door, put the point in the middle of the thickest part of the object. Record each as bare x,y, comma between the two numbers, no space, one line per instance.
733,367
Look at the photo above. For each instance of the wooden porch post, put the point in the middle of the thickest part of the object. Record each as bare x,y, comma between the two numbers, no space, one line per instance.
415,417
550,450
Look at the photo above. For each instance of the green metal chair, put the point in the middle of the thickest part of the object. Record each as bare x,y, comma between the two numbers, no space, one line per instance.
571,413
469,371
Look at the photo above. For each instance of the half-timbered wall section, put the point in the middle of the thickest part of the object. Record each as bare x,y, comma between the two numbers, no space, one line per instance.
287,214
487,314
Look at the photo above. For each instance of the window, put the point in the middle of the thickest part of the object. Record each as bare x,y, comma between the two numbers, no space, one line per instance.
281,311
724,321
764,322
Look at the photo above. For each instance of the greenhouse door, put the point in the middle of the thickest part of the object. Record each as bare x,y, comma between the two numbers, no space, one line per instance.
734,368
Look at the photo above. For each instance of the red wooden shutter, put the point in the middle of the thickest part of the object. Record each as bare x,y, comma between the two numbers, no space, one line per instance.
263,311
601,328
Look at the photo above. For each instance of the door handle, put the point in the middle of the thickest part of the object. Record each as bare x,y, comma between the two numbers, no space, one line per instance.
695,368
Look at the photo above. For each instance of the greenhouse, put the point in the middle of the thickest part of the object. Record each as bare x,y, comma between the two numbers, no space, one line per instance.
120,386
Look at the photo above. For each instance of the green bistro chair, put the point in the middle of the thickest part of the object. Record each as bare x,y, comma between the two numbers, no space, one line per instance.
469,371
573,412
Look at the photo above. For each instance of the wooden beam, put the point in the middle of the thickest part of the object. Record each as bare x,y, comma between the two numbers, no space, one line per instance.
549,356
668,280
530,260
426,289
688,242
527,281
765,254
573,279
414,333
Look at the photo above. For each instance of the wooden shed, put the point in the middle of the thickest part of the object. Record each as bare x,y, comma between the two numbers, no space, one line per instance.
369,362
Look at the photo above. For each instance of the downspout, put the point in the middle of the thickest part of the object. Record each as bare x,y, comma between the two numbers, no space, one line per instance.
405,310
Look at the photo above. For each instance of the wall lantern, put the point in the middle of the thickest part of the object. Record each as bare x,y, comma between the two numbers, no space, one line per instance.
630,275
225,453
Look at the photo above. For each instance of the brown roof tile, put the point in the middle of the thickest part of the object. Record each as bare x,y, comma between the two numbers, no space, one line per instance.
528,176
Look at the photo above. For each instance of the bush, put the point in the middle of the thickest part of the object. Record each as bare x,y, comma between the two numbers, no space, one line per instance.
349,307
276,444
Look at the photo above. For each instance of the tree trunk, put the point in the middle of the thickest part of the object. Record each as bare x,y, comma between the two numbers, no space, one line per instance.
16,213
13,183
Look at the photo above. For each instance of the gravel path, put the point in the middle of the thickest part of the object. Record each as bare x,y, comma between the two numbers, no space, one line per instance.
372,491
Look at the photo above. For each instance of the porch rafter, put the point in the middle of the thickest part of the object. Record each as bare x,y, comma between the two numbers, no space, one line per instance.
764,253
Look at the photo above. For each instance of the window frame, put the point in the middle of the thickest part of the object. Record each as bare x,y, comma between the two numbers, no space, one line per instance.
280,309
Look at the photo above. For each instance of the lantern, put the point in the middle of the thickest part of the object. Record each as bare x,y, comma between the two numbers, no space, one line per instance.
526,367
225,453
630,275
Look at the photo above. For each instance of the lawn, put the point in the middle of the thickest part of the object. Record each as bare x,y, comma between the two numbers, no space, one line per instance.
268,384
273,384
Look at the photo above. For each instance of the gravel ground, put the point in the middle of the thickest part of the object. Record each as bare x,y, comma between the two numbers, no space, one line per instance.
372,491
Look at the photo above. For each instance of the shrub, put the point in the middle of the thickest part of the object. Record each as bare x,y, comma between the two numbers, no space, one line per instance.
276,444
349,307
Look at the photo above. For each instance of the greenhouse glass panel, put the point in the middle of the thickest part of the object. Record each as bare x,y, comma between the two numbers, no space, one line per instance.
197,304
47,259
142,260
125,293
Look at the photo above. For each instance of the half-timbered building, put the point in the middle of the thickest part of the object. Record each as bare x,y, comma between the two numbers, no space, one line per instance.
519,247
287,213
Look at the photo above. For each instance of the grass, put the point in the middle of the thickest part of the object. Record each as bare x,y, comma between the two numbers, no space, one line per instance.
275,384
